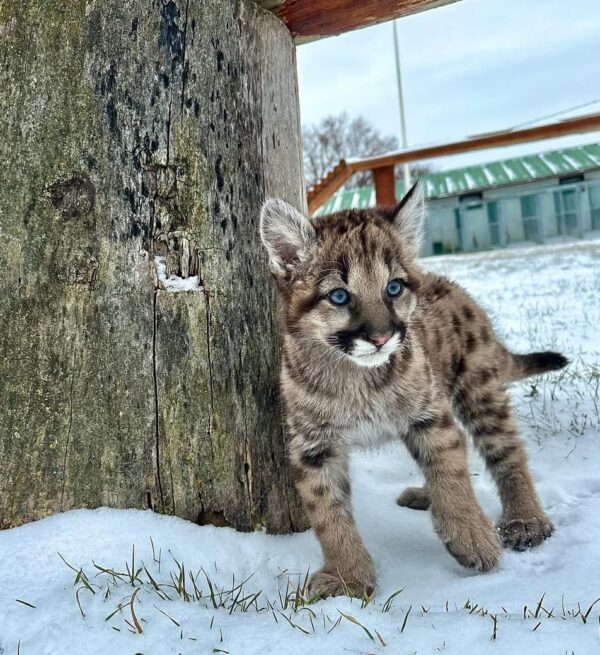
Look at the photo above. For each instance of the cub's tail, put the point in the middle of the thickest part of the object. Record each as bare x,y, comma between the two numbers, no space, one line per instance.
522,366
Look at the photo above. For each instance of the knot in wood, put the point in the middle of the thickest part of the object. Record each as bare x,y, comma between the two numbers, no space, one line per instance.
73,197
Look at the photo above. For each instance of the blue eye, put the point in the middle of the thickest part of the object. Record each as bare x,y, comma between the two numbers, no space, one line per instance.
394,288
339,296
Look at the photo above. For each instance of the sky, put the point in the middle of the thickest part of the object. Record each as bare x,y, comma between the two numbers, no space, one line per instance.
470,67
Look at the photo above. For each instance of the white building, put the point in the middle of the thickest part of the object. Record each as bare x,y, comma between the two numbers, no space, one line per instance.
537,198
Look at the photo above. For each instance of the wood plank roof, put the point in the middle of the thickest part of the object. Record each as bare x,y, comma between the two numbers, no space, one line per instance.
313,19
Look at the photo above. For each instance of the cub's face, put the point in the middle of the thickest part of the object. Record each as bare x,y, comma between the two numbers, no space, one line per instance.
347,280
355,295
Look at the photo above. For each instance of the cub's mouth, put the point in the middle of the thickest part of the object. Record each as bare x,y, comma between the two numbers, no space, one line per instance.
369,351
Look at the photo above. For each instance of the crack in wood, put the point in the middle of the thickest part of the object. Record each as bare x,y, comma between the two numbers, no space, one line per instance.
69,427
210,371
184,71
156,408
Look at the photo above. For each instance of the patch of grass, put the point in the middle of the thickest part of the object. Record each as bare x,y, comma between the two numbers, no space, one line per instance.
127,589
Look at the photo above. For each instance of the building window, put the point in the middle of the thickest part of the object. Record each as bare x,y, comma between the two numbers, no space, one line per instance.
566,206
529,215
459,231
493,216
595,206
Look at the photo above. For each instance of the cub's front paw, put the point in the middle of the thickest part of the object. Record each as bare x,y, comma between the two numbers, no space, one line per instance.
323,584
521,534
475,545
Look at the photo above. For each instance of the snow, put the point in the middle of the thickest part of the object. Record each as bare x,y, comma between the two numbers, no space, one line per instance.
174,283
535,603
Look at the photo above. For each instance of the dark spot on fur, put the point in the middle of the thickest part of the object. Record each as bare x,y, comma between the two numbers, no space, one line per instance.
413,449
423,425
486,429
484,401
468,313
495,458
407,354
458,366
456,324
345,340
439,289
446,421
481,376
315,458
319,490
310,506
455,444
470,342
345,486
499,414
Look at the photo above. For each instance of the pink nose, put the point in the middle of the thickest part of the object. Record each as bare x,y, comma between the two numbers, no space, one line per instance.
380,340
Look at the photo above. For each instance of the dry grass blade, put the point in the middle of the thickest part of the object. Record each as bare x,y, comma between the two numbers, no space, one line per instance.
292,623
539,606
138,627
584,617
169,617
350,618
387,606
494,618
405,620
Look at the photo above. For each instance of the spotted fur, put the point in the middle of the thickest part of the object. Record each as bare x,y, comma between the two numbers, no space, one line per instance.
381,368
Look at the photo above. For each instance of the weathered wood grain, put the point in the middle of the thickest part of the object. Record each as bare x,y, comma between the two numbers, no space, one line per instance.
126,132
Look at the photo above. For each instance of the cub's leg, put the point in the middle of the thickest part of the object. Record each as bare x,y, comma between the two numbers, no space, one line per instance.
439,448
487,414
322,480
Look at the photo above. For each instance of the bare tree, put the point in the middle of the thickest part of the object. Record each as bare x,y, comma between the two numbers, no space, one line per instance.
340,137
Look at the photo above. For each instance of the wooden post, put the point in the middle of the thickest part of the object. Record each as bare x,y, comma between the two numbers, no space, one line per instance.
385,185
132,131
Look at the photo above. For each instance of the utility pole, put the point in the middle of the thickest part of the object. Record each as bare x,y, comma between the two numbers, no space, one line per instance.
405,166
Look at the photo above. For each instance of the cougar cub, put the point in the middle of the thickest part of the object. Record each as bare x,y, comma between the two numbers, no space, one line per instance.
377,349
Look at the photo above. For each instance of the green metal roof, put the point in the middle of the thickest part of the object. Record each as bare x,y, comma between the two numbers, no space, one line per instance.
517,170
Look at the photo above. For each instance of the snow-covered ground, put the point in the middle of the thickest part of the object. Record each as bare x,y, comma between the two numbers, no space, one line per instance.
73,583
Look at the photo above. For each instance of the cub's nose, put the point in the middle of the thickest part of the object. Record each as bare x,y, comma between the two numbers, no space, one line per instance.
380,339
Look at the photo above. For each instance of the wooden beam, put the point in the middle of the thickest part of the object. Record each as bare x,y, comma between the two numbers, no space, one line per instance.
320,193
385,185
578,125
324,189
314,19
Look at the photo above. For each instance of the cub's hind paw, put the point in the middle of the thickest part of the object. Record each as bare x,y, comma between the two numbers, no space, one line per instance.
324,584
415,498
521,534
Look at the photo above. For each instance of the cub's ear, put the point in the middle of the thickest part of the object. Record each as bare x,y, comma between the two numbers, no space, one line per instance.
286,234
408,218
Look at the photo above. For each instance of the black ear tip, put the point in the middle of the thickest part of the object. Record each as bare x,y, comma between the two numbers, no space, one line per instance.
407,196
